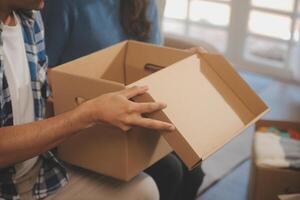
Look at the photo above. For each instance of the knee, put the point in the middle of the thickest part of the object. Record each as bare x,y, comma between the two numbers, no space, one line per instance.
147,188
175,170
196,175
192,181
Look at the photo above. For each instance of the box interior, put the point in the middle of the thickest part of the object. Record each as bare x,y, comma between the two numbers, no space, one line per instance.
123,63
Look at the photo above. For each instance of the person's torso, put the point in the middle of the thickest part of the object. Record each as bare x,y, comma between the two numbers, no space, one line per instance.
52,174
17,73
96,26
92,26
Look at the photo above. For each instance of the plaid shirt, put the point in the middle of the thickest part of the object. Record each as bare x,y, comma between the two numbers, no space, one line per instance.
52,174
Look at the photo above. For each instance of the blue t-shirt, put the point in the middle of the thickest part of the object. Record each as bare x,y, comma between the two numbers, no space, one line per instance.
74,28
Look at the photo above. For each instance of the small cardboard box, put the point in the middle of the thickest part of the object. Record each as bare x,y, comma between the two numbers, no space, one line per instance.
207,101
289,197
266,183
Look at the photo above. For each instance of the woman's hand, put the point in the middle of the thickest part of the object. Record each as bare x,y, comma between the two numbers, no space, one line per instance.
197,50
116,109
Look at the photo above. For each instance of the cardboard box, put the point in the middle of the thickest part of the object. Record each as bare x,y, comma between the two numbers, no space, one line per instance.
207,101
266,183
289,197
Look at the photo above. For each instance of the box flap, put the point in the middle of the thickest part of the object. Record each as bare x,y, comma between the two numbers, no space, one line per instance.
241,89
205,109
105,64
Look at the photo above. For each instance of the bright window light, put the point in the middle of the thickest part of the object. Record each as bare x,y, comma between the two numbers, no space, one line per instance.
272,25
176,9
209,12
283,5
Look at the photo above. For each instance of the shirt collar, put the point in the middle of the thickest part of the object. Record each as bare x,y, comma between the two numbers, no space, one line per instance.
26,16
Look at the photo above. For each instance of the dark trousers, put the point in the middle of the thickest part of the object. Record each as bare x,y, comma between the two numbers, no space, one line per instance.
174,180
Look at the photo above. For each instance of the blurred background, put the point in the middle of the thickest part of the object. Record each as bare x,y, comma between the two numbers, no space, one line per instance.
257,35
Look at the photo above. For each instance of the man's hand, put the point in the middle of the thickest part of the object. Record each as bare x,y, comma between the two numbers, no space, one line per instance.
116,109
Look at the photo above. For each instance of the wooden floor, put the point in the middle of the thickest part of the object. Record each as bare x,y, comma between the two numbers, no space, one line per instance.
232,187
284,101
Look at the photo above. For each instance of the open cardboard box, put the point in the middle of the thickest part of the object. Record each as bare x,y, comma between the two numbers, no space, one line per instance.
266,183
207,101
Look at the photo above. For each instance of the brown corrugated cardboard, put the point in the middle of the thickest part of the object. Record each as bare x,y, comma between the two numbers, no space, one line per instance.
266,183
207,102
289,197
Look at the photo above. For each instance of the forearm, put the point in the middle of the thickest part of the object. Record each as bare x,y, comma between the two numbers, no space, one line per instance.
18,143
21,142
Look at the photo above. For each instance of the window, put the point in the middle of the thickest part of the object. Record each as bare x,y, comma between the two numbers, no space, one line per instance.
198,19
260,35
